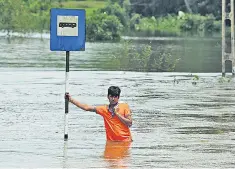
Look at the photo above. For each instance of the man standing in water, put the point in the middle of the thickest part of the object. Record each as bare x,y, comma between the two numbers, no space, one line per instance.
117,116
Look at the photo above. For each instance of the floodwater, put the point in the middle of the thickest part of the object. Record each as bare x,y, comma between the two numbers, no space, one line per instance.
177,121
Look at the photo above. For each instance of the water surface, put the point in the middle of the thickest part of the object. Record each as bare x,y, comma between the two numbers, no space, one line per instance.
175,122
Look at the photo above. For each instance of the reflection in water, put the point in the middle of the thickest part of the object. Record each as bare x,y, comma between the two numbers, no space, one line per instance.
65,157
115,153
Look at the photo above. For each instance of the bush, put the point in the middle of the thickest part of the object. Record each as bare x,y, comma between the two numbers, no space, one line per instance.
198,24
101,26
135,20
147,24
187,23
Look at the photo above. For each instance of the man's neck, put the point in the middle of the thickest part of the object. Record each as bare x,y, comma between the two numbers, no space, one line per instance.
113,105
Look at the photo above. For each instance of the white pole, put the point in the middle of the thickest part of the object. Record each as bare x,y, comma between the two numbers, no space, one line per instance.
223,36
66,99
232,36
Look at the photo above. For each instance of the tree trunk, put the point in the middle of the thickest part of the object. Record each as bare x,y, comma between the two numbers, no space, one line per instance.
188,6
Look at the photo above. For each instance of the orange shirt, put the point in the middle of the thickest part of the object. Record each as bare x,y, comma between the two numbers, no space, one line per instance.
115,129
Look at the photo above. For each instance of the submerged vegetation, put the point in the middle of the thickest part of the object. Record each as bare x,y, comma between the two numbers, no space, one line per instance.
224,79
144,59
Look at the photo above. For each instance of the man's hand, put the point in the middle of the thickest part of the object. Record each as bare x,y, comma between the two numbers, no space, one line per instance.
126,120
78,104
67,96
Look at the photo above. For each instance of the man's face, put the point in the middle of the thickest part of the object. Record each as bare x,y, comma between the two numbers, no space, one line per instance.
113,99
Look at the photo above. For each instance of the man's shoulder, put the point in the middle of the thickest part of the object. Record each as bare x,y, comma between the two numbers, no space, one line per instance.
123,104
101,109
101,106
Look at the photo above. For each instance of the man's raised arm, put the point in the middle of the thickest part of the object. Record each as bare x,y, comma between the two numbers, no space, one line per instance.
80,105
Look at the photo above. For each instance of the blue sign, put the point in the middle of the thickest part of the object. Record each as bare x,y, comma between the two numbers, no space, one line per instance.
68,30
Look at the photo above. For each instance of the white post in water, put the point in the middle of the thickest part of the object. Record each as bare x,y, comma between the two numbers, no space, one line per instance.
228,56
232,37
66,99
223,35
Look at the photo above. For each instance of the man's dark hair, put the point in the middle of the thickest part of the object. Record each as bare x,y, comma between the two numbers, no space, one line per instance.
114,91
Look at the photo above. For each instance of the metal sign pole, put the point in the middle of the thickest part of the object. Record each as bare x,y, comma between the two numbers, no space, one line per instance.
66,99
67,33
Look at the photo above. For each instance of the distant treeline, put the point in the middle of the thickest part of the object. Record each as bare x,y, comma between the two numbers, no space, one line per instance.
158,8
109,19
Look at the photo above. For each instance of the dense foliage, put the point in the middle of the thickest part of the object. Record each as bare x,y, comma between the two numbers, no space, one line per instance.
109,19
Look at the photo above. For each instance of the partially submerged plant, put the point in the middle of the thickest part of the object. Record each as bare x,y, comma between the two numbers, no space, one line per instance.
224,80
143,58
195,79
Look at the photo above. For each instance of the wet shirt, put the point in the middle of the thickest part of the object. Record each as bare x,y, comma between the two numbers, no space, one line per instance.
115,129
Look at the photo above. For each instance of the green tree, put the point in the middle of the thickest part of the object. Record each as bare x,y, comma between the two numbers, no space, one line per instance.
101,26
116,10
14,16
40,12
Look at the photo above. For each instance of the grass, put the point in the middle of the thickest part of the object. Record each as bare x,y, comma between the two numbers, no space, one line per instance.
88,5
